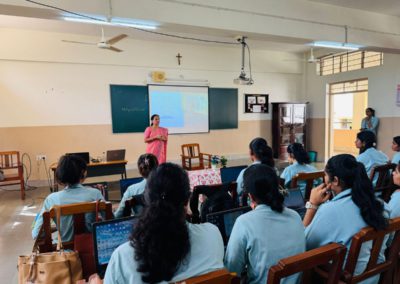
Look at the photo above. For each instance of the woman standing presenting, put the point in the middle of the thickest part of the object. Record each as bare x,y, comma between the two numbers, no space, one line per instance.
156,138
370,122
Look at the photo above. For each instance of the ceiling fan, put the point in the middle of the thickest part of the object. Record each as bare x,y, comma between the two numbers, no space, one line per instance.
310,59
103,43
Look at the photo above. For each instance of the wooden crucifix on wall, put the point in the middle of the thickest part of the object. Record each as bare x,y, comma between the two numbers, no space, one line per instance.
179,56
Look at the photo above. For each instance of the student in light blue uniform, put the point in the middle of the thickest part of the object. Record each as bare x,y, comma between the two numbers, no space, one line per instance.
353,207
299,163
370,122
396,148
394,203
270,232
163,247
260,153
70,172
369,156
146,163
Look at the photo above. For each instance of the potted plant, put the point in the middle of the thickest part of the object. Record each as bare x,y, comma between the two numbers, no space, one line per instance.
223,161
214,162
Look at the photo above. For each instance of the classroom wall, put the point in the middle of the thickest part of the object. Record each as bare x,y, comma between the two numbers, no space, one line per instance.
55,96
382,86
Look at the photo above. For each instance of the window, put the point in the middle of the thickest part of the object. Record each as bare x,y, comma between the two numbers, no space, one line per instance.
348,61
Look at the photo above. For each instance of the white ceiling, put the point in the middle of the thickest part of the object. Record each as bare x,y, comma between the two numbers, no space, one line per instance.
386,7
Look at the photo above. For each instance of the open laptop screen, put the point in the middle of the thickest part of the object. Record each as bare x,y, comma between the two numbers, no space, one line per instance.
225,220
107,236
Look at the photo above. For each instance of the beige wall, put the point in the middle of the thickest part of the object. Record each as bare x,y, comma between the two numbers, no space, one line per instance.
57,140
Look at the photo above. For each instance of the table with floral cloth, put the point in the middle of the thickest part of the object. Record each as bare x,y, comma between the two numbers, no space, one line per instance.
204,177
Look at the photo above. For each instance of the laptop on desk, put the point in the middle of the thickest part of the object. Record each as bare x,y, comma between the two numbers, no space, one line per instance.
115,155
107,236
225,220
83,155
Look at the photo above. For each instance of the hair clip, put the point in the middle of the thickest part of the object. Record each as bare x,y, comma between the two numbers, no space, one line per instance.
146,161
163,195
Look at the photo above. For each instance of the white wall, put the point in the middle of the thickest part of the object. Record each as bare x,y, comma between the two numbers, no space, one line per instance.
44,81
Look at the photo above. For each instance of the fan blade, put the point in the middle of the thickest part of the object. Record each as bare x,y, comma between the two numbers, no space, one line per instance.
80,42
116,39
114,49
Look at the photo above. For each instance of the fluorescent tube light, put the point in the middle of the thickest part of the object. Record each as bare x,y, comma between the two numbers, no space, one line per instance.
112,23
338,45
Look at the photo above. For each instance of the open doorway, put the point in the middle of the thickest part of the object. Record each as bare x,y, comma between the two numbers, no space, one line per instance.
347,103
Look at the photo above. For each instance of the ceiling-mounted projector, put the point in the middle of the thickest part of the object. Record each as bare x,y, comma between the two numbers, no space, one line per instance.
242,79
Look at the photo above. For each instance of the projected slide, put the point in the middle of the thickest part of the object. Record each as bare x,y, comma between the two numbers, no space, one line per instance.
182,109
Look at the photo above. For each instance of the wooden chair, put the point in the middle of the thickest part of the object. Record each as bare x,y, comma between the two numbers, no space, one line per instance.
387,268
191,154
77,210
131,203
331,255
221,276
384,183
13,170
209,190
309,178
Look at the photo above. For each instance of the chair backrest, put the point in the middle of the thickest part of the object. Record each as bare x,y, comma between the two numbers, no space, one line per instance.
331,255
125,183
373,268
76,209
9,160
221,276
309,178
131,203
220,191
191,150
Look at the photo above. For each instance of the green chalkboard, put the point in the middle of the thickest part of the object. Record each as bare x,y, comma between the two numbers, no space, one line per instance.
223,104
129,108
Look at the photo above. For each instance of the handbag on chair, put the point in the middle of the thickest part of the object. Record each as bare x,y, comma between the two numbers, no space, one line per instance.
61,267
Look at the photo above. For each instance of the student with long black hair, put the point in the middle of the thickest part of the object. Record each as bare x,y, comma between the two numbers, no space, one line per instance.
268,233
299,163
260,153
369,156
353,207
163,246
396,148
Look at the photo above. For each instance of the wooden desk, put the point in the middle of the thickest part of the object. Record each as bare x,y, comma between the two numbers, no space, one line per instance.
99,169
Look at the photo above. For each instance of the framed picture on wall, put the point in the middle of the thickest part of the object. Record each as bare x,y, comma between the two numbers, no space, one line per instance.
256,103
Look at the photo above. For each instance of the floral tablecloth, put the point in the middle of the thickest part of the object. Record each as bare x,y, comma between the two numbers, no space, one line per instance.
204,177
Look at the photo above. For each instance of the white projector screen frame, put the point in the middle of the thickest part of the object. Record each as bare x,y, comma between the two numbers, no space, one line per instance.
182,109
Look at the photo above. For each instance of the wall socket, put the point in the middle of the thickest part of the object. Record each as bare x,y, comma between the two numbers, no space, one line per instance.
40,157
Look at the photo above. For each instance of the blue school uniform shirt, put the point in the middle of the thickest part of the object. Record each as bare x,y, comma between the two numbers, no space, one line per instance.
206,254
292,170
134,189
239,179
69,195
372,158
260,238
337,221
394,204
396,158
374,122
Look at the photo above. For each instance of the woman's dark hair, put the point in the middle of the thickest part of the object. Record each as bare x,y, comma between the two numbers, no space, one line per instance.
368,138
260,149
371,110
70,170
262,183
152,117
297,150
146,163
396,140
352,174
161,237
